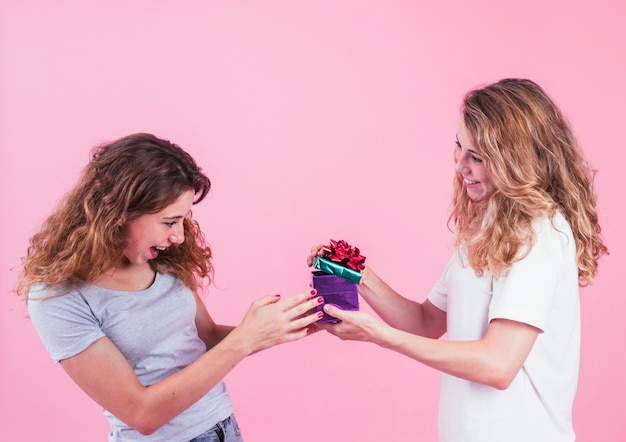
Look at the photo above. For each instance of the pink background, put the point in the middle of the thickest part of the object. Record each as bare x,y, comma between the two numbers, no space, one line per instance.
314,120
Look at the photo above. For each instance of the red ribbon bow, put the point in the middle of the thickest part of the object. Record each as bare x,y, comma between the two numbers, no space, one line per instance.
343,253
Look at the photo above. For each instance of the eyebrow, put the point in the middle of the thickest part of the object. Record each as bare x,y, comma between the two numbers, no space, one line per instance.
174,217
469,150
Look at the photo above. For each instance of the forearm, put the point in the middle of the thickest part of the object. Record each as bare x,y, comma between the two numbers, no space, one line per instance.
470,360
493,360
104,374
267,323
165,400
219,332
465,360
397,311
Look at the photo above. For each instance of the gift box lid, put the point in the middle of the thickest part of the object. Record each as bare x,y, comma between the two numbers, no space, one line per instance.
334,268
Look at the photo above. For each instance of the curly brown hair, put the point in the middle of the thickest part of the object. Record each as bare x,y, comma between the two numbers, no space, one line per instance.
132,176
538,168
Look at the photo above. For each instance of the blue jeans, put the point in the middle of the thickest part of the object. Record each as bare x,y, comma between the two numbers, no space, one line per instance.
225,431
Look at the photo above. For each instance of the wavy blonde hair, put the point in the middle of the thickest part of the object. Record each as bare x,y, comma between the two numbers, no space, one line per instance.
85,235
537,167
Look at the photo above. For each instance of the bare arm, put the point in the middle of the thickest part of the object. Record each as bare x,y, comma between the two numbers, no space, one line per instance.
493,360
105,375
422,319
210,332
413,329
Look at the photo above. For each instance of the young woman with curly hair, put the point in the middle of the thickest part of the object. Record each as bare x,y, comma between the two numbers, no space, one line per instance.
527,237
112,281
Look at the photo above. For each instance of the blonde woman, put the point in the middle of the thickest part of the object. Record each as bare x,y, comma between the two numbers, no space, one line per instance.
113,281
527,236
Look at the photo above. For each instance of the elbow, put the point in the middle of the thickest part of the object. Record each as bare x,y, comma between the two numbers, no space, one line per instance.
144,427
143,412
144,423
144,431
501,383
501,378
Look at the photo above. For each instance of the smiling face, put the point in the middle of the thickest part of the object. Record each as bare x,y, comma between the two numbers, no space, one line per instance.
469,164
152,233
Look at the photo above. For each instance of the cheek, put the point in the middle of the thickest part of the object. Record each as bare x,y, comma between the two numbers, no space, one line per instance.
136,236
486,179
490,185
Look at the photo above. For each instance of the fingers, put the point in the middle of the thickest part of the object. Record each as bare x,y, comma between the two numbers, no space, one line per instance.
287,303
314,327
307,322
335,311
272,320
302,316
300,300
305,309
266,300
316,250
292,309
301,327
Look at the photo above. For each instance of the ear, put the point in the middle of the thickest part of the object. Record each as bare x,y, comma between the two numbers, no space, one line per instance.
121,222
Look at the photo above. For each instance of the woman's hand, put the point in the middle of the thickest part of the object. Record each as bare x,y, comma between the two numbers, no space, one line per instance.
271,320
316,250
354,326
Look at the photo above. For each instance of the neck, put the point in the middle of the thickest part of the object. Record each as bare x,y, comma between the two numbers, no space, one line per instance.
127,278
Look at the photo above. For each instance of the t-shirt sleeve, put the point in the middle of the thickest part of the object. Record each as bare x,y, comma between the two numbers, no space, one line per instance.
65,324
526,294
438,296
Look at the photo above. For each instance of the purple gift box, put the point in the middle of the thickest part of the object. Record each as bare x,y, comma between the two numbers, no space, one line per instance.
335,290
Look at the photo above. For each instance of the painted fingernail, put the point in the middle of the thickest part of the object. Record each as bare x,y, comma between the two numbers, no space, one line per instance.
313,292
277,295
320,300
320,315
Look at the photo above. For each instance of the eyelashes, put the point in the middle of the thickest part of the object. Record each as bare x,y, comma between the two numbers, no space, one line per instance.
475,158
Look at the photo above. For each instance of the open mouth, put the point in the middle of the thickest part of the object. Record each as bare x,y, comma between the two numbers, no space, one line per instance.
156,250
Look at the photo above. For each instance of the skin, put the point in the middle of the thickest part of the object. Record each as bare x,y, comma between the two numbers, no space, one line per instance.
469,164
412,328
104,374
161,229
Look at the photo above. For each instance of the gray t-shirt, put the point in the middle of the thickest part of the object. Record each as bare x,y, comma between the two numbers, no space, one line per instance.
154,329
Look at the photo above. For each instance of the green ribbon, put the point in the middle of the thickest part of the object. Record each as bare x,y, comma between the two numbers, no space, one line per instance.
325,265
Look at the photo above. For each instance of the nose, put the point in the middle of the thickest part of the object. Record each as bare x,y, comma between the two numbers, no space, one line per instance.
178,235
460,164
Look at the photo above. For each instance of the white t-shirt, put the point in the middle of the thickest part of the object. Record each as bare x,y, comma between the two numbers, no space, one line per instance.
540,290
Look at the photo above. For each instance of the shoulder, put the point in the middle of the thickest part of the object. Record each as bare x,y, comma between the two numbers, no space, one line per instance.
55,300
552,248
44,292
555,231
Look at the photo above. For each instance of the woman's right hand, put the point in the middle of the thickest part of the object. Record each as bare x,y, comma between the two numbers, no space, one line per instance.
316,250
353,325
271,320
